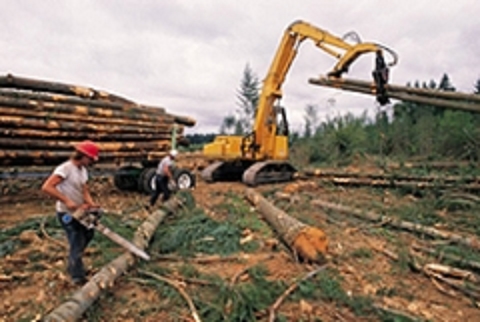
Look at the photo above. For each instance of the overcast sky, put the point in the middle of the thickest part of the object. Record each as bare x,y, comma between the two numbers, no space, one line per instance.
189,55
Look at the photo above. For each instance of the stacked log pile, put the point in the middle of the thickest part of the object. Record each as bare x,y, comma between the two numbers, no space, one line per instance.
41,121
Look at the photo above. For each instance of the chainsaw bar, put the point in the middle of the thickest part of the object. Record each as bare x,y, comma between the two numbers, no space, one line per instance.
90,221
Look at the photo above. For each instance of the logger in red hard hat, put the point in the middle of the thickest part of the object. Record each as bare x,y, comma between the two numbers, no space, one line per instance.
68,185
89,149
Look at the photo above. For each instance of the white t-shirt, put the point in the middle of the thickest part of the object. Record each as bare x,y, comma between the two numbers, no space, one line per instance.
74,178
166,161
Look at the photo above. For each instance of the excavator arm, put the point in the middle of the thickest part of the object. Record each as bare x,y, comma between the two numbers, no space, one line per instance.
262,144
261,156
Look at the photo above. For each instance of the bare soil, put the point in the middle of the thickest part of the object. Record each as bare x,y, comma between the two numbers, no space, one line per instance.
33,279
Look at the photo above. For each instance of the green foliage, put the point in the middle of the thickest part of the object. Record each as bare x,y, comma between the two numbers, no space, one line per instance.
241,122
422,212
463,252
337,140
15,231
238,213
311,120
8,236
476,87
199,139
248,96
193,232
403,131
362,253
392,317
327,287
110,249
239,302
228,124
8,247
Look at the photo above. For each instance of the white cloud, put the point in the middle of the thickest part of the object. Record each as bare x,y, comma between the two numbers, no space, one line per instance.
188,56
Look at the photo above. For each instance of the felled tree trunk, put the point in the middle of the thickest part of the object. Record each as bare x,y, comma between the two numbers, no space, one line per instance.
469,241
81,300
392,183
309,243
325,173
451,100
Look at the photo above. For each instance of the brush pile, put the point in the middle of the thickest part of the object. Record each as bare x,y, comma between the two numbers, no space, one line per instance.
40,121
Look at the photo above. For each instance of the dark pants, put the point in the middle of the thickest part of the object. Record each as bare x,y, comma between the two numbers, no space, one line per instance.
161,183
78,238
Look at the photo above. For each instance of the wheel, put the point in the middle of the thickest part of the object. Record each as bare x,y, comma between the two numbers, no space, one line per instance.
184,179
146,180
126,178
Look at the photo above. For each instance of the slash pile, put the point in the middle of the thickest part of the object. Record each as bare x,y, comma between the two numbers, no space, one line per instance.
40,121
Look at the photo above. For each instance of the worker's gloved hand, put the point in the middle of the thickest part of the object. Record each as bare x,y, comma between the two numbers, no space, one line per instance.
96,212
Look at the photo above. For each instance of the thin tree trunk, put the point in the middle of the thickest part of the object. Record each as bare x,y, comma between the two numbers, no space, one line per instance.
469,241
325,173
378,183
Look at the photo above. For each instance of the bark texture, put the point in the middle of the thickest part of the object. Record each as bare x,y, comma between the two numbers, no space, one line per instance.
309,243
81,300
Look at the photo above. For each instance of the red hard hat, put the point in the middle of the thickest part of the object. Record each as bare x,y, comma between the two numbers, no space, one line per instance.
88,148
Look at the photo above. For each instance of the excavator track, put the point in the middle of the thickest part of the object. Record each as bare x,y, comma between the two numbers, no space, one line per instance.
268,172
225,171
207,173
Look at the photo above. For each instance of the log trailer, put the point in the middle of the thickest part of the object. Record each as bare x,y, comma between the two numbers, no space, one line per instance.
41,121
262,155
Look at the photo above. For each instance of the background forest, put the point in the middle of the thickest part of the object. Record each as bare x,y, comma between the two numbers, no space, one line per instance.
400,131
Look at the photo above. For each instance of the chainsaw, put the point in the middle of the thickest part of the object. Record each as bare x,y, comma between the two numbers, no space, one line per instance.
90,218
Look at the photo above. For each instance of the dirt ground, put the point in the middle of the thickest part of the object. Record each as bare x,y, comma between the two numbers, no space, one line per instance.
33,279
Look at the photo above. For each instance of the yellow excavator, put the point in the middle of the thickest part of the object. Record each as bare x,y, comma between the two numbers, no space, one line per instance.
262,156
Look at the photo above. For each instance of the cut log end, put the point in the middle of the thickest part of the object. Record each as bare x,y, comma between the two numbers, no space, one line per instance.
311,245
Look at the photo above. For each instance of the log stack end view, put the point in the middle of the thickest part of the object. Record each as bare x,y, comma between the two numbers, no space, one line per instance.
40,122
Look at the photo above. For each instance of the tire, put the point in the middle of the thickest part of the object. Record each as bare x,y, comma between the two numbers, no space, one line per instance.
125,178
184,179
146,181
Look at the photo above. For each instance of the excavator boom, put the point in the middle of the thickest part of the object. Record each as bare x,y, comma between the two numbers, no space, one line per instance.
261,156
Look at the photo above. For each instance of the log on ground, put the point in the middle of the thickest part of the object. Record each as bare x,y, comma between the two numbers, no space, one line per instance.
308,242
81,300
469,241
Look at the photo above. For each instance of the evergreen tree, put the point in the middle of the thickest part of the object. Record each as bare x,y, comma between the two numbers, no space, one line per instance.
446,84
228,124
311,120
477,87
248,96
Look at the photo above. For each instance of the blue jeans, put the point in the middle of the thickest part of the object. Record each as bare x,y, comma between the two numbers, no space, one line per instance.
161,183
78,238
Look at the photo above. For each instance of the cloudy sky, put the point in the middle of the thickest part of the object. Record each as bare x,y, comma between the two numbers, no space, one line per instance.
189,55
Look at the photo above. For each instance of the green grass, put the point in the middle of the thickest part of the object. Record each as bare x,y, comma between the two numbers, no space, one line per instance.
239,212
422,212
